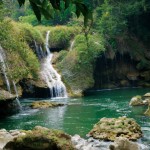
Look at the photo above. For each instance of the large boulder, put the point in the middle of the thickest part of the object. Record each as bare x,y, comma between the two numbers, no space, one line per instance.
110,128
44,104
5,95
41,138
136,101
34,88
7,136
122,143
9,104
147,95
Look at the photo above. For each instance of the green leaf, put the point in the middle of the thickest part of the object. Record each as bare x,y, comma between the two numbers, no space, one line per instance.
45,4
36,10
55,4
37,2
78,12
67,3
21,2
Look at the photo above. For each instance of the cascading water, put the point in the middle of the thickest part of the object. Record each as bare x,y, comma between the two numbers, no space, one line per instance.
72,45
4,68
17,96
48,73
39,51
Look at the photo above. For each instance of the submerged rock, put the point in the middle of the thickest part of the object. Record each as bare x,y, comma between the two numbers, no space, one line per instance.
41,138
122,143
147,112
44,104
109,128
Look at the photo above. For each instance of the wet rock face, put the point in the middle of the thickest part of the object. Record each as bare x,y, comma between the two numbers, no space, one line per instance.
109,128
8,107
119,70
34,89
44,104
41,138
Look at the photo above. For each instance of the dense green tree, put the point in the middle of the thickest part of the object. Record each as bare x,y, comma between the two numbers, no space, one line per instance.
48,7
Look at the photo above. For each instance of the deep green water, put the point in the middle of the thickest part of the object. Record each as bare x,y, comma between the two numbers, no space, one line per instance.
80,114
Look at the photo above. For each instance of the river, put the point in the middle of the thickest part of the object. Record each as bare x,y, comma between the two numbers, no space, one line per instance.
80,114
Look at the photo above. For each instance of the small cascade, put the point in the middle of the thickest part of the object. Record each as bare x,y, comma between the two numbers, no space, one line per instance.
3,67
39,52
49,74
72,45
17,96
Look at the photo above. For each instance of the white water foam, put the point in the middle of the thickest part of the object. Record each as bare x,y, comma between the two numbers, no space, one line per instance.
48,73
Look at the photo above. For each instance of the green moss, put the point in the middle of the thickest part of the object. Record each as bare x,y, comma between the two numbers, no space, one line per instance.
30,34
42,139
60,36
16,48
77,65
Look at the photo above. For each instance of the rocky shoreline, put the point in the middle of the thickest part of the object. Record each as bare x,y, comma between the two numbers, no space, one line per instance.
44,138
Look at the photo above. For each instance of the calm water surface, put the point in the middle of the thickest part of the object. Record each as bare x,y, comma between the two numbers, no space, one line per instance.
80,114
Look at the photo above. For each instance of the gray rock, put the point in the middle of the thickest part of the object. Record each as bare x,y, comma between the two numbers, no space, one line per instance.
89,144
136,101
5,137
122,143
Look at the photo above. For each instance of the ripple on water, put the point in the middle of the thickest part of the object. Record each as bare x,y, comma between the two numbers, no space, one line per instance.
79,116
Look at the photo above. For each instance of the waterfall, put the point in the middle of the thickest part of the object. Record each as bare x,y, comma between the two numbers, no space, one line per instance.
39,52
17,96
72,45
3,67
49,74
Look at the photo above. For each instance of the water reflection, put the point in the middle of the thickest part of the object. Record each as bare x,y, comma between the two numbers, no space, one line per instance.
80,114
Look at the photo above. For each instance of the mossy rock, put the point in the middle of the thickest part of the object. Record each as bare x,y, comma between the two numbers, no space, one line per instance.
109,128
5,95
41,138
147,95
136,101
44,104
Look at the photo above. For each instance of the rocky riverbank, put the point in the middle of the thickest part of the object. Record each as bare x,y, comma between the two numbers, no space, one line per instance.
43,138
